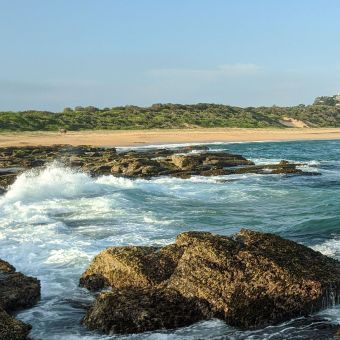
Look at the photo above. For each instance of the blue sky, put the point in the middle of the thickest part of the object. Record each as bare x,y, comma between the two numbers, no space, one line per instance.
117,52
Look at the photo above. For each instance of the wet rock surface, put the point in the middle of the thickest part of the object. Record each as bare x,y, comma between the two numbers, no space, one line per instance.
249,280
17,291
12,329
136,310
180,162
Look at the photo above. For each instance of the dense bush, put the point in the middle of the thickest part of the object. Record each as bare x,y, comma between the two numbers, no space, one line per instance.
167,116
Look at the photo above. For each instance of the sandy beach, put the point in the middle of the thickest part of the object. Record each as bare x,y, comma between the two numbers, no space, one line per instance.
145,137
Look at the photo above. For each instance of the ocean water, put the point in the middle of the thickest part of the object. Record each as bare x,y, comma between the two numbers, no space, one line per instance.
53,221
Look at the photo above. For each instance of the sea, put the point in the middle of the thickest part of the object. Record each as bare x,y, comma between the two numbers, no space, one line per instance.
54,220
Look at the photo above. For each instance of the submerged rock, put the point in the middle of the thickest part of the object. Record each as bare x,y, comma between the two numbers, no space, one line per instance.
250,280
17,291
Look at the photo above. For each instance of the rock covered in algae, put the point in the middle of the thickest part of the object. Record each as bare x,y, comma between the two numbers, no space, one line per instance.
250,280
17,291
136,310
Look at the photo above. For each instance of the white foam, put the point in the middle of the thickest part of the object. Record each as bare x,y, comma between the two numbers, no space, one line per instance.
179,145
52,182
63,256
119,182
153,220
329,248
165,146
58,182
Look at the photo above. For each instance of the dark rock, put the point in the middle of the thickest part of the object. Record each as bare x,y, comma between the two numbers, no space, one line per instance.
195,148
36,163
17,291
12,329
7,180
100,169
336,335
249,280
76,161
136,310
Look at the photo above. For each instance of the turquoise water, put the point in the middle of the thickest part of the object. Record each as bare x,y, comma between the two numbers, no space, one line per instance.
54,221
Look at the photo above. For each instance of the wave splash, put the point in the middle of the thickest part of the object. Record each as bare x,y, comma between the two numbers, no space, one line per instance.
56,181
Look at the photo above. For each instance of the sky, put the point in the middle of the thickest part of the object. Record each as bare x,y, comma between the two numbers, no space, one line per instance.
64,53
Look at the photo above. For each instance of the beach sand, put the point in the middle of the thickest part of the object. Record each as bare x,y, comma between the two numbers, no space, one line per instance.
146,137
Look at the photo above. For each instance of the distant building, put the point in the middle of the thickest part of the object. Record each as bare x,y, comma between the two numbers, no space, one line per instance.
337,99
328,100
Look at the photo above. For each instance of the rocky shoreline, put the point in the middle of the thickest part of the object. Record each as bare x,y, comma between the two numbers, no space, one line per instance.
182,162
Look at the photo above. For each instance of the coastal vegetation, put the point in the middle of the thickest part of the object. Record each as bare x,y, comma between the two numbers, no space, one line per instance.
324,112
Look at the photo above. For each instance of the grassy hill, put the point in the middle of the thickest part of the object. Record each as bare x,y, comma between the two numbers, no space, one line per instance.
322,113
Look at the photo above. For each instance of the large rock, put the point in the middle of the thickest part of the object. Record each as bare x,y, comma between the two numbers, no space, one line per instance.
249,280
136,167
207,160
17,291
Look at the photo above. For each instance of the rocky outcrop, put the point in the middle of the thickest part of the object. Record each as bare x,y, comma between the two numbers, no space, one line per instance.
177,162
250,280
17,291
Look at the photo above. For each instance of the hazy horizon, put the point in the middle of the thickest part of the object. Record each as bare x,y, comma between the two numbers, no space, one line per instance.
117,53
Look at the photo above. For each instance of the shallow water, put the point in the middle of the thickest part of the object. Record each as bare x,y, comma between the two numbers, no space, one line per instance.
54,221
